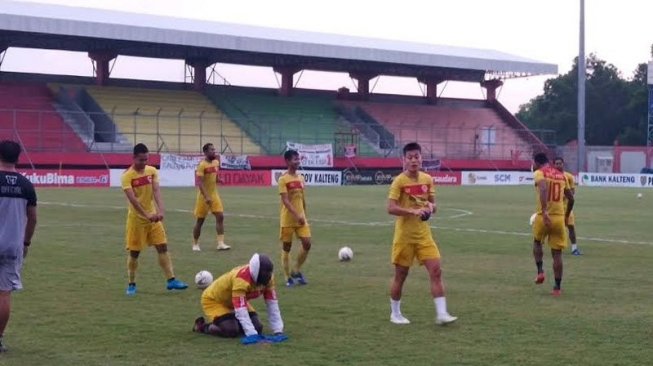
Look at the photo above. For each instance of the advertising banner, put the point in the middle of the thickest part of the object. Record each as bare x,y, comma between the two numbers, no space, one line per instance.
313,177
67,177
615,180
249,178
369,176
496,178
446,178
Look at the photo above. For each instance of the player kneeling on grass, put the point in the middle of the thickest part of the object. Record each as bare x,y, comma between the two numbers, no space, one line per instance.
226,304
412,200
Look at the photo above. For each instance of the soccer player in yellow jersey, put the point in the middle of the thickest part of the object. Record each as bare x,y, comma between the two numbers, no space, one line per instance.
227,311
412,200
559,163
550,190
140,182
206,180
293,219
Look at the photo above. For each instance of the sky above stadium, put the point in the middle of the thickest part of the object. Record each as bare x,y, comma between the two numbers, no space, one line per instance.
620,32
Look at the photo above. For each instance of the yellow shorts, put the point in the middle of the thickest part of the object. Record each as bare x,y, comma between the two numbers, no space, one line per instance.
138,235
285,233
405,254
556,234
202,209
213,309
572,219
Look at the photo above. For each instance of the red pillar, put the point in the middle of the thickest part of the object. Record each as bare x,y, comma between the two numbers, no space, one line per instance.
491,86
363,79
431,88
287,74
199,72
102,59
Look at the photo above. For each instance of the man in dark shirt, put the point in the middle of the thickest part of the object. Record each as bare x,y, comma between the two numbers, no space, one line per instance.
18,212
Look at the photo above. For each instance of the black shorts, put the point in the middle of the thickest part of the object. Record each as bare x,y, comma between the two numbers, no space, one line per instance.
232,316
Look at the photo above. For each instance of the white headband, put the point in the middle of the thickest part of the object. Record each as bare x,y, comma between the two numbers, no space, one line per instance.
254,266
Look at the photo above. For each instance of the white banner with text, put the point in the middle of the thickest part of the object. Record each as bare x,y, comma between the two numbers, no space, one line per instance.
313,177
496,178
313,156
615,180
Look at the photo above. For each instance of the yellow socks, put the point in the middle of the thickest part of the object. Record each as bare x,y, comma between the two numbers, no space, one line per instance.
301,258
132,265
285,261
166,265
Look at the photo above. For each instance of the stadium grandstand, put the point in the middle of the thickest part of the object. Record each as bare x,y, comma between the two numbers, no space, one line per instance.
101,115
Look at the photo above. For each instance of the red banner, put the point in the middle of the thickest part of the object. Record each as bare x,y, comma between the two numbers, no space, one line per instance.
67,177
446,178
252,178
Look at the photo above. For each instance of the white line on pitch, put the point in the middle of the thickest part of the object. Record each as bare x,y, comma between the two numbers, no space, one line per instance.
381,223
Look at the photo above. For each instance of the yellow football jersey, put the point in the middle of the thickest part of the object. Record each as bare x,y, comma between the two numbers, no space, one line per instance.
557,183
141,184
208,173
412,193
234,286
571,184
293,185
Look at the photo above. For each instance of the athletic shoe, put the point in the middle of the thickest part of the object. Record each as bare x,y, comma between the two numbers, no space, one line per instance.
398,319
196,248
131,289
299,278
176,285
223,246
290,282
540,278
556,292
445,319
198,327
576,252
3,349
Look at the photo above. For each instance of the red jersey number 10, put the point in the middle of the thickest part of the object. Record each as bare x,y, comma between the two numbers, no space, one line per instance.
555,192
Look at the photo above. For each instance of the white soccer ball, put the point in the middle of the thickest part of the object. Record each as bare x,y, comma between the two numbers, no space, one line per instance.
345,254
639,195
532,219
203,279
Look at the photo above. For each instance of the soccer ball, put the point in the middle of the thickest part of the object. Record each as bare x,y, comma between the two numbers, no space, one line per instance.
203,279
345,254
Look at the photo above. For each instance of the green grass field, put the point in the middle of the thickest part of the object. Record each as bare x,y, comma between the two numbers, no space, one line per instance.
73,310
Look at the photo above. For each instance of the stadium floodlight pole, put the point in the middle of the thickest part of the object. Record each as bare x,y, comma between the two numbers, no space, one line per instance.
581,90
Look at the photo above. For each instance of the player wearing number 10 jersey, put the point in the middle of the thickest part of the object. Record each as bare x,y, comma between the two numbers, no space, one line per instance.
551,188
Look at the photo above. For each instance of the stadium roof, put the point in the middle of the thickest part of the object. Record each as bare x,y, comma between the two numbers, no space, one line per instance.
33,25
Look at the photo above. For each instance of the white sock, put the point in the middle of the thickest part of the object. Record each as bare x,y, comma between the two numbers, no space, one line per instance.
395,307
440,306
574,247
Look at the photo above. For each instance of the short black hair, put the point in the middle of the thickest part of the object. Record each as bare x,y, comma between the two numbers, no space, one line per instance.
289,154
206,147
9,151
412,146
540,158
558,158
140,148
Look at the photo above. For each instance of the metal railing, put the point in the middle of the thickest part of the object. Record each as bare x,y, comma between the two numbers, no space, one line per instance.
186,132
